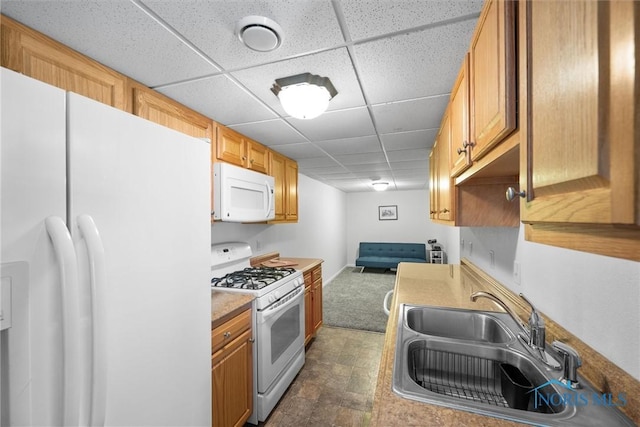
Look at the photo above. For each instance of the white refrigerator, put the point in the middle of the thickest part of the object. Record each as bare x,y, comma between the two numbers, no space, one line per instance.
105,229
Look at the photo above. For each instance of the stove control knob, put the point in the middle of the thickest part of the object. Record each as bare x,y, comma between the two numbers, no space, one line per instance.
272,298
276,295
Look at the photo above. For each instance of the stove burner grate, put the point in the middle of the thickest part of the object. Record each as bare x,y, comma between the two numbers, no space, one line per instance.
252,278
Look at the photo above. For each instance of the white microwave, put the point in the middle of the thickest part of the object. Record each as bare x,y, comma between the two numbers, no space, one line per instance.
242,195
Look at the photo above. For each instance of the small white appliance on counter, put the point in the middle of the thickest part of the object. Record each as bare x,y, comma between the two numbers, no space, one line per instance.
105,249
279,319
242,195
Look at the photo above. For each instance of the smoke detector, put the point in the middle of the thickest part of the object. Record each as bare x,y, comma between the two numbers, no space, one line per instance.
259,33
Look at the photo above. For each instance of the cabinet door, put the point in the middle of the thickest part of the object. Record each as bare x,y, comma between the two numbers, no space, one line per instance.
433,183
230,147
317,305
159,109
579,160
459,154
308,314
232,383
493,76
257,156
277,168
444,183
291,196
35,55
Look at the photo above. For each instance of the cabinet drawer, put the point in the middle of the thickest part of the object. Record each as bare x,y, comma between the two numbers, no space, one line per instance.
316,274
230,330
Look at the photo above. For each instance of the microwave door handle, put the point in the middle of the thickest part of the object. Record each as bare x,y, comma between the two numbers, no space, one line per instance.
266,183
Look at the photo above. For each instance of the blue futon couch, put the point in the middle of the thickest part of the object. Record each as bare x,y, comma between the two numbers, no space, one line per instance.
388,255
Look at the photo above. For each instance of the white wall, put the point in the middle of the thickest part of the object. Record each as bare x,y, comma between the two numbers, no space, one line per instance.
412,226
596,298
319,233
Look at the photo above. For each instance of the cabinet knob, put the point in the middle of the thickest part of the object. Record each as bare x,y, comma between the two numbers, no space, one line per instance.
512,193
227,335
465,145
445,210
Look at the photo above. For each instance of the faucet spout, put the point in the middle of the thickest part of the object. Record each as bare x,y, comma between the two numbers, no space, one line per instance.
492,297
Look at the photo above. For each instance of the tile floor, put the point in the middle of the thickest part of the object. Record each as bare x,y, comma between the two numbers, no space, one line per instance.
336,385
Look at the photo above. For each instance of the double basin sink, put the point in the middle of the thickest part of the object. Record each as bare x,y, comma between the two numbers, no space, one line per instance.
473,361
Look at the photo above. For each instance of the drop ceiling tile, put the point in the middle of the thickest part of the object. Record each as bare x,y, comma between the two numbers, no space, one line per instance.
308,25
317,162
408,155
336,124
413,65
360,159
369,167
334,64
368,18
363,144
337,171
300,151
413,164
422,113
208,96
270,132
409,140
117,34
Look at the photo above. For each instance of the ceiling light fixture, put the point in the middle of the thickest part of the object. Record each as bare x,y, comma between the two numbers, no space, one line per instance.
304,96
380,185
259,33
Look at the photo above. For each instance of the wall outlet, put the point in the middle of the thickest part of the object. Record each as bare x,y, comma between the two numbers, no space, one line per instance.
470,248
516,272
492,259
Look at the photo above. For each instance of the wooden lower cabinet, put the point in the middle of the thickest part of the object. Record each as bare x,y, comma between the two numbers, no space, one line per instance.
232,372
312,302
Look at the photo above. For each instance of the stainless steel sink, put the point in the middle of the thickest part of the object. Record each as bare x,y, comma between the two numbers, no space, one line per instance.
471,360
458,324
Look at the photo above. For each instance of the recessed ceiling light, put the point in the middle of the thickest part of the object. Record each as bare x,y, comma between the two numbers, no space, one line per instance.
259,33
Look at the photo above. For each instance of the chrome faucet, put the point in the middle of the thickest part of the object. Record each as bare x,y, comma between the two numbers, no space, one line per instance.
534,335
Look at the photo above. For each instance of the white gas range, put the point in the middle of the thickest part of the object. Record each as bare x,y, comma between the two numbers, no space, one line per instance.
279,318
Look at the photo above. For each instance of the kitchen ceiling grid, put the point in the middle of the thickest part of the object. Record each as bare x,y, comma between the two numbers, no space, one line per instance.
393,63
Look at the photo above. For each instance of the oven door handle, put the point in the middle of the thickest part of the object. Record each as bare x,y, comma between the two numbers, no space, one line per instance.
269,313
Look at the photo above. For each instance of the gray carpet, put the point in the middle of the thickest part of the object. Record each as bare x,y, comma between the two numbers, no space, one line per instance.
354,300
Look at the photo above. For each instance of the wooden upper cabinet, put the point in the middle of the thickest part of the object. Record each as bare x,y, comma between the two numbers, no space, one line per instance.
442,190
580,160
257,156
237,149
580,107
230,146
493,76
291,196
459,158
157,108
36,55
278,173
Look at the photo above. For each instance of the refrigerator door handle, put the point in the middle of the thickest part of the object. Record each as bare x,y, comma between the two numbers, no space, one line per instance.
98,280
68,271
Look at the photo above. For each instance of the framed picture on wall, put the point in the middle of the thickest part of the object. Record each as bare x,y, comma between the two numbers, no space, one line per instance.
386,213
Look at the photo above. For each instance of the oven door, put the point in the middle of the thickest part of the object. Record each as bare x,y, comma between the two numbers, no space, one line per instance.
280,336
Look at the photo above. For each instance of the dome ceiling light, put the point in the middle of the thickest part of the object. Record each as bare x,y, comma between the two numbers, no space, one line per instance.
380,185
259,33
304,96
